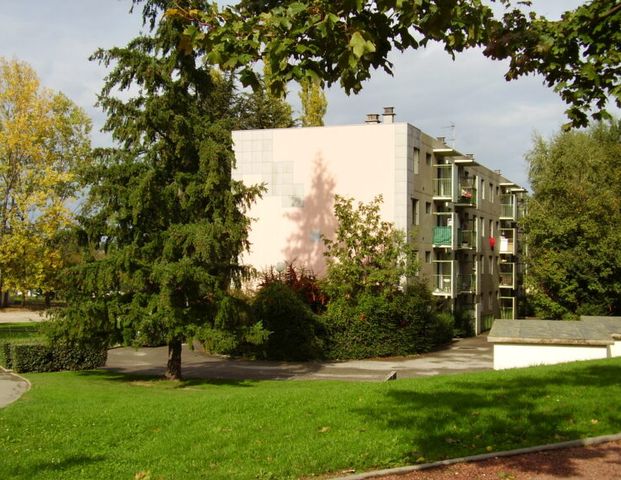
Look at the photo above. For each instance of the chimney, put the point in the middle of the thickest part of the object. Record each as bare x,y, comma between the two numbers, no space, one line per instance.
372,118
389,114
442,139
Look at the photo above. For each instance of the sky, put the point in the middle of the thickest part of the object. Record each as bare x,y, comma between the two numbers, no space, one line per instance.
465,100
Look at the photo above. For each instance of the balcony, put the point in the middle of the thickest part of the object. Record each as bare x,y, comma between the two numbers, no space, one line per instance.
467,196
507,207
467,283
466,239
507,275
443,278
443,188
507,308
507,241
442,236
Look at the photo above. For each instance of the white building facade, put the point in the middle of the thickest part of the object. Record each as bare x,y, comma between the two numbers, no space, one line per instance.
460,215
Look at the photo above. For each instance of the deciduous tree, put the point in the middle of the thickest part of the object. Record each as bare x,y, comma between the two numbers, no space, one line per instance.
164,223
367,254
572,225
314,103
44,143
343,40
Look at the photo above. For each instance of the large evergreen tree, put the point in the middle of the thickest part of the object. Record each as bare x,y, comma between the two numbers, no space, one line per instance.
164,223
572,225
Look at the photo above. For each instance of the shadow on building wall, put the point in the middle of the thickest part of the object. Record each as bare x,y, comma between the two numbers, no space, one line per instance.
314,219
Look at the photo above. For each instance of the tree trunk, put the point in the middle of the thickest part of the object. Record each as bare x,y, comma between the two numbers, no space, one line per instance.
23,298
48,299
173,367
6,301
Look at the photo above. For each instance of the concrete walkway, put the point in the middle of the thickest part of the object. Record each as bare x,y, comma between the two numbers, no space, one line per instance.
465,355
11,387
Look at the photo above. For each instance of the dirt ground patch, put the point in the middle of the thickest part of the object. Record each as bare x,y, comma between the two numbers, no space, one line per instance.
601,461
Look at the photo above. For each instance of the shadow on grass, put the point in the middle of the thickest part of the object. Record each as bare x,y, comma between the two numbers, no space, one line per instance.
111,376
502,411
34,469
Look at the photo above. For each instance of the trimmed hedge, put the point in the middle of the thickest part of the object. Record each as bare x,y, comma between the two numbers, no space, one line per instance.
379,327
37,357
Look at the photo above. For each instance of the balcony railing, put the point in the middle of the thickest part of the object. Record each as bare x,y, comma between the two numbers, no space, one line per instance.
507,206
507,308
467,283
442,284
443,187
467,195
443,236
507,275
466,239
507,240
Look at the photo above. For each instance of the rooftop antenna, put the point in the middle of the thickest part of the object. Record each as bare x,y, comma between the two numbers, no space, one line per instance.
451,137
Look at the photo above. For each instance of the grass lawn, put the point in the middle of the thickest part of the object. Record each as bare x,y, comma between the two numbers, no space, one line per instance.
18,333
99,425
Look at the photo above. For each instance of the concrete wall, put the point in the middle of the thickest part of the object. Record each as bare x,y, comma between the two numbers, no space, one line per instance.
528,355
303,168
615,349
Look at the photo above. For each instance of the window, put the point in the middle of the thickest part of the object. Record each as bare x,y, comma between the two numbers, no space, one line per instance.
491,228
482,227
482,189
415,213
416,159
428,159
491,265
491,192
427,257
428,208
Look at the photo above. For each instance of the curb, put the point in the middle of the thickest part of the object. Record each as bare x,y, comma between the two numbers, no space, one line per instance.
484,456
23,379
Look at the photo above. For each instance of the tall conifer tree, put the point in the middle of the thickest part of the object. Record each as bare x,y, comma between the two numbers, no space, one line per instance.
164,223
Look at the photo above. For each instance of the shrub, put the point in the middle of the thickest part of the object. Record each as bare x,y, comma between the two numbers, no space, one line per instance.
235,329
302,281
38,357
376,326
463,323
291,323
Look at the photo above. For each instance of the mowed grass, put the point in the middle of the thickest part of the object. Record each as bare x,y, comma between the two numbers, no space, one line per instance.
99,425
18,333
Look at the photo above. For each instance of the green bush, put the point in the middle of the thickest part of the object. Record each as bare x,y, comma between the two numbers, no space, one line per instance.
235,329
5,355
291,323
376,326
38,357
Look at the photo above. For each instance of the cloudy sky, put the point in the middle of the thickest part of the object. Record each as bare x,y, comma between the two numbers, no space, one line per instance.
466,100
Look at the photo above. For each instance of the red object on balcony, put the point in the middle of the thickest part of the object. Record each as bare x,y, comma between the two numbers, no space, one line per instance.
492,242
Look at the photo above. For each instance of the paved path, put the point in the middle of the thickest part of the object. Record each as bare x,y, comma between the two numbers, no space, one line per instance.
11,387
20,315
466,355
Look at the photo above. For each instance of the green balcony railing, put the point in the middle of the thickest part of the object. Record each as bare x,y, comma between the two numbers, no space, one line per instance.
507,308
443,236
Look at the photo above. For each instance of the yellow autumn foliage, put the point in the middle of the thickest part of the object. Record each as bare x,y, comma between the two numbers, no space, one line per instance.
44,142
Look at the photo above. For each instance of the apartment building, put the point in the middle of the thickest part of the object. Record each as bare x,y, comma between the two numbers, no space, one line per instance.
461,215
